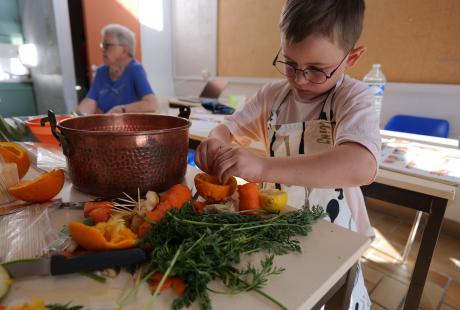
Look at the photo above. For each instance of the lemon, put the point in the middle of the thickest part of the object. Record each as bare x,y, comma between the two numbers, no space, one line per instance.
5,281
273,200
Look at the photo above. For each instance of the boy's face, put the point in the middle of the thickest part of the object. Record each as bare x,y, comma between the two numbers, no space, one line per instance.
316,53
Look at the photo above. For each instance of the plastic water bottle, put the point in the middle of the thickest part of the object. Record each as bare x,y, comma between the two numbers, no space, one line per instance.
375,79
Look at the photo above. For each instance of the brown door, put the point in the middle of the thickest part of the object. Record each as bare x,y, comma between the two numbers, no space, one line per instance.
99,13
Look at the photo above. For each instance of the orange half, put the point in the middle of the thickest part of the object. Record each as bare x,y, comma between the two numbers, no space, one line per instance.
211,189
14,153
40,189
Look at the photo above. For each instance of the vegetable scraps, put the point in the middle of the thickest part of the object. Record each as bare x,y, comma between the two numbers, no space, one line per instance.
110,235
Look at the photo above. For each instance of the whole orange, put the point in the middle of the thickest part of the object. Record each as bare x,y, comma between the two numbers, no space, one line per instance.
40,189
14,153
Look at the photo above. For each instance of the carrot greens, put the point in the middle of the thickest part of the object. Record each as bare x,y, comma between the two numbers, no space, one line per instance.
201,248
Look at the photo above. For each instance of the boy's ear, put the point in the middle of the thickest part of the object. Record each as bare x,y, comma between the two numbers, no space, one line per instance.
355,55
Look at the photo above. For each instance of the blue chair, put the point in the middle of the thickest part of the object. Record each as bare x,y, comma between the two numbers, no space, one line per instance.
191,159
419,125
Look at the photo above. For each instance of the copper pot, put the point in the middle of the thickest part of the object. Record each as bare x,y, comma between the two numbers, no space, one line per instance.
109,154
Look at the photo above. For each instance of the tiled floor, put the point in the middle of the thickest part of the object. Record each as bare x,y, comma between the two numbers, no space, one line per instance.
387,279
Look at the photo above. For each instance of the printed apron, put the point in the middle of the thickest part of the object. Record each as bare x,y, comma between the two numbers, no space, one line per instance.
307,138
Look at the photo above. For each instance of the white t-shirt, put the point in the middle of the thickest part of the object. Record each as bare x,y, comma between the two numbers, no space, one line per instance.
353,110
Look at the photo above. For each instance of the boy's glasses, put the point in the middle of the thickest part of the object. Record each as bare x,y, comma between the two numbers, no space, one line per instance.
106,46
315,76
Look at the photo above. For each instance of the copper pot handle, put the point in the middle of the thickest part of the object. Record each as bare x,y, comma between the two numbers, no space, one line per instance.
66,146
184,112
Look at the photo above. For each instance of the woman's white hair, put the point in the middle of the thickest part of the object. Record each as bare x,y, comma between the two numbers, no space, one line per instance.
123,35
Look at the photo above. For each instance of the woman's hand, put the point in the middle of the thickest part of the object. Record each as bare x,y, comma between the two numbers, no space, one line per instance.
239,162
206,153
117,109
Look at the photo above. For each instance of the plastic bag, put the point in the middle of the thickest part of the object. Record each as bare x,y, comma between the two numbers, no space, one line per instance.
35,231
45,158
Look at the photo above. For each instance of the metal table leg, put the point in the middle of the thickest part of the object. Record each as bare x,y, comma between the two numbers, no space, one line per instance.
425,253
435,208
413,233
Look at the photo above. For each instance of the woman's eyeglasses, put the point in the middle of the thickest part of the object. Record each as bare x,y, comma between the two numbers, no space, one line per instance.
106,46
315,76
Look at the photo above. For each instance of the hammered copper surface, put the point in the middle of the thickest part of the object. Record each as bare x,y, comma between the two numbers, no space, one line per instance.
116,153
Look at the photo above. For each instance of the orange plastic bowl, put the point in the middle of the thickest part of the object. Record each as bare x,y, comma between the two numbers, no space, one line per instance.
43,133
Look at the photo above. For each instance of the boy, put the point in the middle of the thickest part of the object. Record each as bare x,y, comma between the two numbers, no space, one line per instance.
319,126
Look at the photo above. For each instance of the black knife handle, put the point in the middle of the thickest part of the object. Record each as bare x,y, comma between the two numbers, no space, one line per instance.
96,261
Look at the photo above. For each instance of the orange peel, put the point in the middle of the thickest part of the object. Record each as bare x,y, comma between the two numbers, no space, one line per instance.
40,189
211,189
14,153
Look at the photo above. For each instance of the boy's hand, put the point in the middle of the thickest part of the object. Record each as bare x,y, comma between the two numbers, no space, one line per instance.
206,154
239,162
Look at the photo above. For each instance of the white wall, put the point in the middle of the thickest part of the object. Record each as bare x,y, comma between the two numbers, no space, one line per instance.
156,48
46,24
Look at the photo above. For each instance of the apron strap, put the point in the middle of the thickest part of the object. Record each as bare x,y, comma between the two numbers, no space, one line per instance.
326,111
272,119
301,144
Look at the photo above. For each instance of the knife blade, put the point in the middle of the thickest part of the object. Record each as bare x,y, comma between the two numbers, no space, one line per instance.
58,264
58,204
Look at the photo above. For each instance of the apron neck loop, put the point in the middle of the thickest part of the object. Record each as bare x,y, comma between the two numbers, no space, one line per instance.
326,111
276,108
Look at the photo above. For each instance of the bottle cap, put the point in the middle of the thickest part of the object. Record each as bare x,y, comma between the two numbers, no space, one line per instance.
376,66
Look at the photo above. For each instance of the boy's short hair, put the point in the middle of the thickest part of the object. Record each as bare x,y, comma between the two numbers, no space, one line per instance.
339,20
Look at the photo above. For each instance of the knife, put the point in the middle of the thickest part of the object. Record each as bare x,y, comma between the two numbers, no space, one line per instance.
58,264
58,204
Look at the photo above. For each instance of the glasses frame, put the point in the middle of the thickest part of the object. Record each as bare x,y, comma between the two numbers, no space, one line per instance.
106,46
305,71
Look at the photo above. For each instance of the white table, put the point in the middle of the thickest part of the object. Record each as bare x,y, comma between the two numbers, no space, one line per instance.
324,272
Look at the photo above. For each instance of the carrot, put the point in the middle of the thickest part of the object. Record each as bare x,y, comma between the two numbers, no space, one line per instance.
177,195
143,228
155,215
156,279
91,205
100,214
163,207
199,206
249,198
178,285
66,254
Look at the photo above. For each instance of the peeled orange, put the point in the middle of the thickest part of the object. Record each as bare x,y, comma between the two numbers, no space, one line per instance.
14,153
40,189
273,200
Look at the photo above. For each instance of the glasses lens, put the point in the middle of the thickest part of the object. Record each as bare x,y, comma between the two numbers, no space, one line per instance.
285,69
313,76
316,77
105,45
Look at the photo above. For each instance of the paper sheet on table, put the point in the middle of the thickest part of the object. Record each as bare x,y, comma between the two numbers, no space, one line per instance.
432,162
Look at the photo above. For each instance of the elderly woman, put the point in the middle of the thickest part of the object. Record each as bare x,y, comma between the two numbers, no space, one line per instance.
120,85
